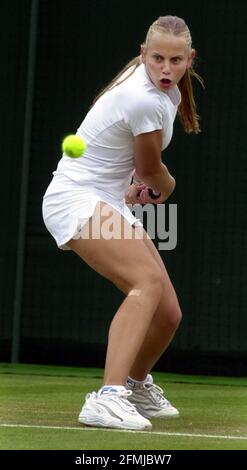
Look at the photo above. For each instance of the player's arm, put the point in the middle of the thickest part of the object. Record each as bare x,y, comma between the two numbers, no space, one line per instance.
149,167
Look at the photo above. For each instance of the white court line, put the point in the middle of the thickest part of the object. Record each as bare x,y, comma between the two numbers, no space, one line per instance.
156,433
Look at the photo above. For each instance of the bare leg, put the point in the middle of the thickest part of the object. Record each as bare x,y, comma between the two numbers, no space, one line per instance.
127,333
163,326
129,265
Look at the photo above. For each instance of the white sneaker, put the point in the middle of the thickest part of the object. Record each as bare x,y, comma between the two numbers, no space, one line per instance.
112,410
150,401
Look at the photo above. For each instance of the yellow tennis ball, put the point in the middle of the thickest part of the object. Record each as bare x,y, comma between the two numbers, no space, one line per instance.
73,146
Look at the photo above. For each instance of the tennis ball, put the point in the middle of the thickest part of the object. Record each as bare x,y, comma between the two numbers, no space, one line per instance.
74,146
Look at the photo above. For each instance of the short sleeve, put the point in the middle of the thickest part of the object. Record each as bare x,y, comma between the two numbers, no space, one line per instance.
143,114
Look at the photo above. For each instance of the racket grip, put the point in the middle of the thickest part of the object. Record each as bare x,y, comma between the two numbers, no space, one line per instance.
153,194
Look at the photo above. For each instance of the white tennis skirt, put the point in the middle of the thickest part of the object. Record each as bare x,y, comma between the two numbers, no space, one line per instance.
67,207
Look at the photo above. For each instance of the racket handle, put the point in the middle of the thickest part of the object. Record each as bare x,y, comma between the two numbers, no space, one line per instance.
153,194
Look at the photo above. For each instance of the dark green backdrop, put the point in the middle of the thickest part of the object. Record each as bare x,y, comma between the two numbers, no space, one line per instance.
65,308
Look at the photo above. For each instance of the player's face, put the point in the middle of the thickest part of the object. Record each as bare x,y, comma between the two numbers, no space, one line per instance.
166,57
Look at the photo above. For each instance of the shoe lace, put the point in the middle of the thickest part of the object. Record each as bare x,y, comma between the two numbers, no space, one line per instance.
156,393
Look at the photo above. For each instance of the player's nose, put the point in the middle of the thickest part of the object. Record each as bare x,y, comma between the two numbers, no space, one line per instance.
166,69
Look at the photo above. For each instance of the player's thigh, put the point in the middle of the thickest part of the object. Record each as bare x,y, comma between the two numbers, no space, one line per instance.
126,261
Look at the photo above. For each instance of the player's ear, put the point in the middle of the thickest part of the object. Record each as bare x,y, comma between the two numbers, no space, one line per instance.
143,53
191,58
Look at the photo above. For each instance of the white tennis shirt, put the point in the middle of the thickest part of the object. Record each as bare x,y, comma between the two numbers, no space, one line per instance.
131,108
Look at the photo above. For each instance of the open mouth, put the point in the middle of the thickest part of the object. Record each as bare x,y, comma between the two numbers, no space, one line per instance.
165,81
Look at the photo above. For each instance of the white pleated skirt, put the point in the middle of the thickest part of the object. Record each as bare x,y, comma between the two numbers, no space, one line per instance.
67,207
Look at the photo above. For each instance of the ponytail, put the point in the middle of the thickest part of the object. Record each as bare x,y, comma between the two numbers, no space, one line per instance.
187,108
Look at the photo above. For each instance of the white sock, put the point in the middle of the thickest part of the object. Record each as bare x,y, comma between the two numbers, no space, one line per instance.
133,383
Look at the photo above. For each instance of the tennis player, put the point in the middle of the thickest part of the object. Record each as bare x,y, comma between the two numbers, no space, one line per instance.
126,129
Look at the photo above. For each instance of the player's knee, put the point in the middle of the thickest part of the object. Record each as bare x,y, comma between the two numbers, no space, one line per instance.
173,317
153,281
142,279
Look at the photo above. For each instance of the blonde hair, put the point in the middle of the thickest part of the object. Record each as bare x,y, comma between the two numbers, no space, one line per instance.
187,108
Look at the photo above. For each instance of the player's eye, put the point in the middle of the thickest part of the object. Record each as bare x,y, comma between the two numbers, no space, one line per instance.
176,60
157,58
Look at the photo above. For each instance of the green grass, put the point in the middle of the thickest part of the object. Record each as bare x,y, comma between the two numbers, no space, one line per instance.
52,396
